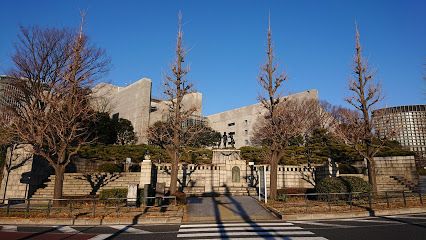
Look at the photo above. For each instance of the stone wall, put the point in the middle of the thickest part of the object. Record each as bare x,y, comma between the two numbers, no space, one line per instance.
15,182
403,166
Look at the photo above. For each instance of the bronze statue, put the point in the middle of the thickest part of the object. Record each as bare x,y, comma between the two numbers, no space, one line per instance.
232,141
225,139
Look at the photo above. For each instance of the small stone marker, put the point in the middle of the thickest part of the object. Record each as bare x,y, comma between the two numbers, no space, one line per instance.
132,195
160,189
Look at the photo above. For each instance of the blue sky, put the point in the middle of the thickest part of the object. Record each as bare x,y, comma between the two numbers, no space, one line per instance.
314,43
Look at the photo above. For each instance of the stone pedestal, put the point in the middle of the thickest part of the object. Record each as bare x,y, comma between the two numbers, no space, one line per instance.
146,166
222,156
132,195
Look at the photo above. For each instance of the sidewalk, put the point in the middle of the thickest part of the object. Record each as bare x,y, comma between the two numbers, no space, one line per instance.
225,208
128,218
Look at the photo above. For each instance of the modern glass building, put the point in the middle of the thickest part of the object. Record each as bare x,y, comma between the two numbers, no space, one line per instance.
409,124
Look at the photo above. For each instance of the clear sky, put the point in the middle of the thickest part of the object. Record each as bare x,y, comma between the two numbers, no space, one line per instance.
314,43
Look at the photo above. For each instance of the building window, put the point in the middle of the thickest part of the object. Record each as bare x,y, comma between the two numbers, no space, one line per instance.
231,124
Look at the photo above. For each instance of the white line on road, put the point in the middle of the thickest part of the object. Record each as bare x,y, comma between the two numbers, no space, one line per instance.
229,234
67,229
321,224
263,238
9,228
236,224
406,216
128,229
365,220
221,229
100,237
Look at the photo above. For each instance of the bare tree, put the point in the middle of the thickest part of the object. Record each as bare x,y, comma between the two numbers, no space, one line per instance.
49,104
179,128
356,127
270,99
292,118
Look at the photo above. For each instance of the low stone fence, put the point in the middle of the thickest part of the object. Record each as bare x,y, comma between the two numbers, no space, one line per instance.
312,203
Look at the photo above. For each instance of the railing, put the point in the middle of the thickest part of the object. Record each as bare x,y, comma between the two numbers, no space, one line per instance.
87,207
346,202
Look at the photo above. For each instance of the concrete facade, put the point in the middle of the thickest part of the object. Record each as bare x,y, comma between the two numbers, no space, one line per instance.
135,103
241,121
410,124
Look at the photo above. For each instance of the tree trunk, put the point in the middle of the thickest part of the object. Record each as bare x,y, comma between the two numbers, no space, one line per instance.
174,173
273,176
59,184
371,166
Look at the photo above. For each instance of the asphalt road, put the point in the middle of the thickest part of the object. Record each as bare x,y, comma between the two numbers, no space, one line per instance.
405,227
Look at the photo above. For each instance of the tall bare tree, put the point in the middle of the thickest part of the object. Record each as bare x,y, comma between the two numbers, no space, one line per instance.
292,118
356,128
179,127
49,102
270,99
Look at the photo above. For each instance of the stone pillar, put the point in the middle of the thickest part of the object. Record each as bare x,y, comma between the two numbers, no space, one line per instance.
208,180
146,167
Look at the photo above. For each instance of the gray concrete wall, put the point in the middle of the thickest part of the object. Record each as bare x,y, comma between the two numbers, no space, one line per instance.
132,102
242,120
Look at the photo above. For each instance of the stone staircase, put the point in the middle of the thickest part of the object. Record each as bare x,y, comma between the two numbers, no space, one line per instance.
409,184
390,184
80,184
234,191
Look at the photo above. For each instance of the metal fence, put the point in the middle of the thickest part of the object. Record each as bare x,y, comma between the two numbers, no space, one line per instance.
89,207
345,202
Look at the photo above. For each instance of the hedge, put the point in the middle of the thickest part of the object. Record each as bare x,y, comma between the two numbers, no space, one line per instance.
113,193
342,185
356,184
109,168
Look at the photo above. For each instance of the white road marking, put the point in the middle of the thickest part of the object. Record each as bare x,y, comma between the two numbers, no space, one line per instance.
9,228
365,220
67,229
230,234
100,237
263,238
236,224
128,229
321,224
406,216
254,228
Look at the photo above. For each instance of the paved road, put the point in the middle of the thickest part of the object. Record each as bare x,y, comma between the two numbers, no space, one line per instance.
226,208
389,227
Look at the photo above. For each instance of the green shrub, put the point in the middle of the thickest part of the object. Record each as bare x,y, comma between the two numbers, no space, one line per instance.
109,168
330,185
356,184
342,185
113,193
421,171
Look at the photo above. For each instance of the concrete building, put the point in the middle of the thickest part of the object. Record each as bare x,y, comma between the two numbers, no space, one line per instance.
240,122
410,124
135,103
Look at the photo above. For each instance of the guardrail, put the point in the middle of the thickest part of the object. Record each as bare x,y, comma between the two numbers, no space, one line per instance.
91,207
345,202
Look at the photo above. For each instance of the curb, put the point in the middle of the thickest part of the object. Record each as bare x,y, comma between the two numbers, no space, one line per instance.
88,221
321,216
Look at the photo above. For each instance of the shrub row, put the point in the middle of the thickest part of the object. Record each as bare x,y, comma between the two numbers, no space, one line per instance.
342,185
